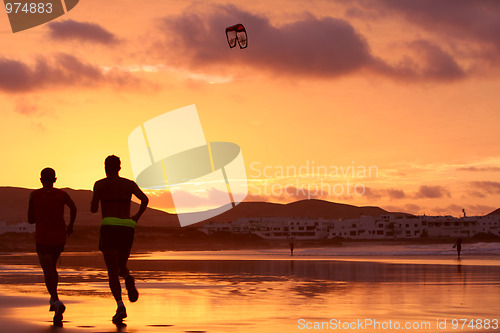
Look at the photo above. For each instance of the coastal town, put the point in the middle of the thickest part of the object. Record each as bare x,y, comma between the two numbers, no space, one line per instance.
384,227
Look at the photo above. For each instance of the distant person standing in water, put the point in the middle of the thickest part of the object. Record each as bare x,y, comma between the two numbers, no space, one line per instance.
117,229
46,211
458,246
292,244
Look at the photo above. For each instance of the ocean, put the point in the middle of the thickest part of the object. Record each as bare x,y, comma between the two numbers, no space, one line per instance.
363,287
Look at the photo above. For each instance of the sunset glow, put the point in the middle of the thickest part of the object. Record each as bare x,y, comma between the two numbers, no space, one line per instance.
381,103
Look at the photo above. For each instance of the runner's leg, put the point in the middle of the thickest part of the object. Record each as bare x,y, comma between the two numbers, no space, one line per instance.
111,257
124,272
48,264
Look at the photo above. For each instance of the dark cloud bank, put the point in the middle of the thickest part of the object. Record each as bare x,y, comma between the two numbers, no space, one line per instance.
81,31
61,71
312,46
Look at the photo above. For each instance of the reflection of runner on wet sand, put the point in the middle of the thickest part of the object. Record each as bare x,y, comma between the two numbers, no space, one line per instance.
46,211
117,229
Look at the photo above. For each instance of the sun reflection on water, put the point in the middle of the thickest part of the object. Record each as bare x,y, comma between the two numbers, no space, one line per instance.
252,295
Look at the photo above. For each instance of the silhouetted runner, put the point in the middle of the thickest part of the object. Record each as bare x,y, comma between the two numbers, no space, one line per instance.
117,229
458,246
46,211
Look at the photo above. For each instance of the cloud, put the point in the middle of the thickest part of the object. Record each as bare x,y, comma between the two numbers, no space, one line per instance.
256,197
161,199
454,208
479,209
489,187
81,31
477,20
325,47
408,208
187,200
432,192
396,194
468,27
439,64
424,61
372,194
412,208
290,193
310,192
61,71
476,194
376,194
480,169
470,210
312,46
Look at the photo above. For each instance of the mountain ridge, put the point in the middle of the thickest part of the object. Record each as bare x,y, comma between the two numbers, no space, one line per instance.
14,205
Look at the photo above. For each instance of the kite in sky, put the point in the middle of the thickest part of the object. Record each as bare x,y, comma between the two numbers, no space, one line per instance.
237,33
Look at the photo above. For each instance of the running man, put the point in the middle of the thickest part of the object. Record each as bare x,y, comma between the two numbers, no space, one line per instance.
117,229
46,211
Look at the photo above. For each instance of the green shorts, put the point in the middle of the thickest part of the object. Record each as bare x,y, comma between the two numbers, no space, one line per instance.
116,234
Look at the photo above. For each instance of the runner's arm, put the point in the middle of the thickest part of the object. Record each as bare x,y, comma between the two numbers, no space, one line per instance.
144,201
94,204
72,214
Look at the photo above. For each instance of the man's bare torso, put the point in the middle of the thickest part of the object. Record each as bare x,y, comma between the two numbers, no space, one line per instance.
114,193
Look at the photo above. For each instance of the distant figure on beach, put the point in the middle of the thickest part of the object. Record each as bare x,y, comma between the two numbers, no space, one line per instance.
46,211
458,246
292,244
117,229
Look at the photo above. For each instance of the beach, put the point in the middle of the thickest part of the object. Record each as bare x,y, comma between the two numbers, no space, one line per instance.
264,291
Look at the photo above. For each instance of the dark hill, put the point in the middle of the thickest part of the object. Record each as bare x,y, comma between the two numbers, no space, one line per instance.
495,212
14,205
312,208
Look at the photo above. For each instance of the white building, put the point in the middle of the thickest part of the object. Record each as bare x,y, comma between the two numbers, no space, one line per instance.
299,229
18,228
364,227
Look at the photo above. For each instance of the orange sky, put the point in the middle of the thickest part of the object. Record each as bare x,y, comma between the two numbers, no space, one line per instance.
406,88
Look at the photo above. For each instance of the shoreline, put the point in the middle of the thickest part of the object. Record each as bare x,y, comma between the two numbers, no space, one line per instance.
248,292
264,255
159,239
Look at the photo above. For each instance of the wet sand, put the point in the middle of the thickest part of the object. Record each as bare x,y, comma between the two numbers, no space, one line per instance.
239,291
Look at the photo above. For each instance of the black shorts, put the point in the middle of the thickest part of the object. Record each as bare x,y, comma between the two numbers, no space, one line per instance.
49,249
113,237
